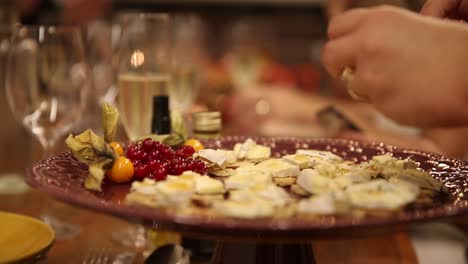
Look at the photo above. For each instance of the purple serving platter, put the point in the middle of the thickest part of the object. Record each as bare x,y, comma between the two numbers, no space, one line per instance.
62,177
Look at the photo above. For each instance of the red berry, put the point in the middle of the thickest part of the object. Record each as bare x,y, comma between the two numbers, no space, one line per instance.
176,160
189,164
154,155
134,155
148,144
144,156
136,162
176,169
160,174
153,165
131,152
140,172
165,164
200,167
185,152
166,152
158,145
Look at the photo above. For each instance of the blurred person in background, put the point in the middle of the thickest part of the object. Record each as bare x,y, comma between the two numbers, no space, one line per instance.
69,11
410,67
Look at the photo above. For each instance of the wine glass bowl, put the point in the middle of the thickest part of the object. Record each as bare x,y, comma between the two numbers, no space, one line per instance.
46,80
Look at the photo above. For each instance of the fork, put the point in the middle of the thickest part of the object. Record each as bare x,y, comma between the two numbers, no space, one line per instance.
98,256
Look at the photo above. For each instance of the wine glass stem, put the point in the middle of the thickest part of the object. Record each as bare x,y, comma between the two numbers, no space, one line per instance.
47,145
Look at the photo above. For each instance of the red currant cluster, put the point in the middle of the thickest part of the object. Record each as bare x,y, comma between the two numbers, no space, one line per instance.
155,160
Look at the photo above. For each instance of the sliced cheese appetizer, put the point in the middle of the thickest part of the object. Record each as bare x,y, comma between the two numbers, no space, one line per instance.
246,177
230,156
272,193
320,155
258,152
218,157
147,186
241,149
207,185
174,192
277,195
247,210
300,160
279,168
323,204
250,150
313,182
382,195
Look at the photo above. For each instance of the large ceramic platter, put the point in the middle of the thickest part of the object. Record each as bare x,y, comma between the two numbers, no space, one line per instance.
62,177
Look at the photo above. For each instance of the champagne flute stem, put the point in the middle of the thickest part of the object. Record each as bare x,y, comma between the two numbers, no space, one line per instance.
47,144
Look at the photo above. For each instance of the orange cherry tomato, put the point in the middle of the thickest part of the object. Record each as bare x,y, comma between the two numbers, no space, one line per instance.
122,170
195,144
117,148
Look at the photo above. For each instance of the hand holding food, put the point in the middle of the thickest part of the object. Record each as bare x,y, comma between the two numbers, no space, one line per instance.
396,58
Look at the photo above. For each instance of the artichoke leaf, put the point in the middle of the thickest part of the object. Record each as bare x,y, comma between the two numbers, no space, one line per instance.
110,118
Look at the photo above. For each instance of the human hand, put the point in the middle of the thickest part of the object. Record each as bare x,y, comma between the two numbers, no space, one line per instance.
412,68
455,9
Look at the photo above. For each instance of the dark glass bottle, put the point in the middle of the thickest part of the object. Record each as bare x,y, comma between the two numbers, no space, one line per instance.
161,122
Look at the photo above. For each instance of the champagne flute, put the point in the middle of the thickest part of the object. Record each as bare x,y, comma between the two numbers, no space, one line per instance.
187,59
186,63
143,69
143,72
46,83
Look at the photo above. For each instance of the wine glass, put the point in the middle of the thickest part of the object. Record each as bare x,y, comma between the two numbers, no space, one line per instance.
143,72
46,83
187,60
143,69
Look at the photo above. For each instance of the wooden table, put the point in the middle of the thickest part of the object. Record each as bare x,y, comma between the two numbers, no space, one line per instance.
97,230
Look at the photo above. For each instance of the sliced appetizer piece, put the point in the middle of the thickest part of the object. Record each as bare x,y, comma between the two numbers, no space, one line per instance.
323,204
174,192
314,183
320,155
217,157
382,195
279,168
258,153
285,181
207,185
247,210
241,149
246,177
300,160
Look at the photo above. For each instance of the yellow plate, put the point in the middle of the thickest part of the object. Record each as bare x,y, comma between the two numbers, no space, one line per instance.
23,238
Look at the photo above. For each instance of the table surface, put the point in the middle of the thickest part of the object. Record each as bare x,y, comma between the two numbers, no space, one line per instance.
97,229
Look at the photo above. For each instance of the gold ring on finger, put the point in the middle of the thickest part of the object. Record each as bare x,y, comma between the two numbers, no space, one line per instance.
348,77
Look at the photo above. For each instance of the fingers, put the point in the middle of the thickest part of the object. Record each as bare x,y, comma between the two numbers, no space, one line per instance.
339,54
346,23
440,8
